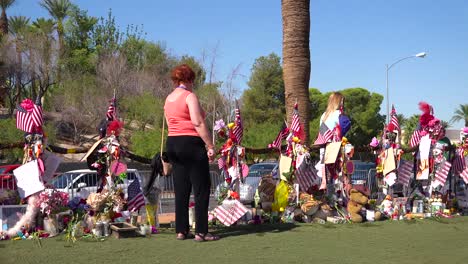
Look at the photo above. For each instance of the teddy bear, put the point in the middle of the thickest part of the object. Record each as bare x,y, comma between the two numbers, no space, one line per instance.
357,200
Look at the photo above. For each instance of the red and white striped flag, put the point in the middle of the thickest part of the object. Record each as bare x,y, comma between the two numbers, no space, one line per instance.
405,172
415,138
135,198
238,130
459,161
295,122
306,176
282,134
394,120
29,121
230,211
324,136
323,139
442,172
464,175
221,163
111,110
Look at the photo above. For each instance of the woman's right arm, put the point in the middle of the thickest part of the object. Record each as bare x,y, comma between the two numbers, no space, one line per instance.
198,120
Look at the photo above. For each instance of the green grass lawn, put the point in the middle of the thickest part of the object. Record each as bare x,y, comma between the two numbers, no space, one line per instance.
417,241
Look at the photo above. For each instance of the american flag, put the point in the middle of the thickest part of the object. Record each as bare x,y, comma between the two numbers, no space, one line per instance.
415,138
135,198
111,113
405,172
238,130
295,123
442,172
230,211
283,134
306,176
221,163
394,119
29,121
459,161
464,175
324,135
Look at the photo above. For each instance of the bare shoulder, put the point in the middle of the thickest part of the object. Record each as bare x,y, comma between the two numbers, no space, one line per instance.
191,98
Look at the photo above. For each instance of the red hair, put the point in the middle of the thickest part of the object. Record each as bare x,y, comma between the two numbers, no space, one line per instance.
182,73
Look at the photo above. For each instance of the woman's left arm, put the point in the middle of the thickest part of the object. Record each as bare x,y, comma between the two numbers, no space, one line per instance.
198,122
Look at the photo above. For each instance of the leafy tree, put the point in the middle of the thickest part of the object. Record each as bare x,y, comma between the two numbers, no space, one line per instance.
144,109
142,54
10,134
461,114
363,107
410,124
146,143
78,29
106,36
80,51
264,100
261,134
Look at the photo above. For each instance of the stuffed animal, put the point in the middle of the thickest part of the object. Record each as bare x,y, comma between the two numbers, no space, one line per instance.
387,206
357,200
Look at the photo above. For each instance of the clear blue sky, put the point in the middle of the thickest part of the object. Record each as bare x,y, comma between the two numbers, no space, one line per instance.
350,41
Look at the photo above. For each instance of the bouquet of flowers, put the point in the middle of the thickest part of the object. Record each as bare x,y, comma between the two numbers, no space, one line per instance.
52,202
105,202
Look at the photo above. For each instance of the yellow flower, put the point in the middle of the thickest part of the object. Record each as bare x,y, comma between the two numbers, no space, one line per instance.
296,139
231,125
344,141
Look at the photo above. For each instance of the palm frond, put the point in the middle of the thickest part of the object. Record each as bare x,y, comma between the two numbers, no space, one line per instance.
18,24
57,9
4,4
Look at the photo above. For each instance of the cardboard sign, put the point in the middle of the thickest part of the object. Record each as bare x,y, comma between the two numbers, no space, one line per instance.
424,149
28,180
51,163
284,166
389,163
331,152
91,150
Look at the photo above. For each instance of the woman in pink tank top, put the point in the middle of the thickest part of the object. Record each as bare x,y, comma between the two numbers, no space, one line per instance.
189,149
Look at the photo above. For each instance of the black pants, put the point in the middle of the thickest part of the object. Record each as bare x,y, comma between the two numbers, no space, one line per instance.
190,168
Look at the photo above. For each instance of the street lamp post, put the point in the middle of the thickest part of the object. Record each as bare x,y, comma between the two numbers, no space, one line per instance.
419,55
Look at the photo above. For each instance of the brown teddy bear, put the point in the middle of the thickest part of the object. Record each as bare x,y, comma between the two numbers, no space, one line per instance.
357,200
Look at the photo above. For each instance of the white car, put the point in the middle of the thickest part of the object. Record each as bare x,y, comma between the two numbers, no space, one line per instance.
83,182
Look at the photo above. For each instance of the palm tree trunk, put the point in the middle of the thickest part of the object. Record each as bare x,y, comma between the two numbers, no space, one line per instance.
296,58
19,71
3,24
3,32
33,74
60,51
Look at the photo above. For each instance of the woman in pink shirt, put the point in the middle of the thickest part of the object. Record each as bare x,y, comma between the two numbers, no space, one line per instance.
189,149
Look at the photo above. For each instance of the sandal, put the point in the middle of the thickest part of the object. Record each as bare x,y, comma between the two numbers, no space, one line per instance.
205,237
183,236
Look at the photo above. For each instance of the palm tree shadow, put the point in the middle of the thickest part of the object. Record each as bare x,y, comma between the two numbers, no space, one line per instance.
259,230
